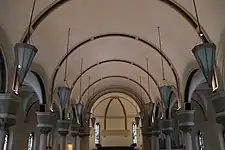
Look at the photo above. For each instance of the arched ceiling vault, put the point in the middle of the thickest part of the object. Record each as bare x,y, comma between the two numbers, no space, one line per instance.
102,94
116,95
115,23
122,77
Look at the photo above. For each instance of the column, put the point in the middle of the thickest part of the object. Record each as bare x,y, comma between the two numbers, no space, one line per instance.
2,138
218,102
44,120
75,134
10,105
154,133
77,142
63,129
43,138
167,129
84,137
186,123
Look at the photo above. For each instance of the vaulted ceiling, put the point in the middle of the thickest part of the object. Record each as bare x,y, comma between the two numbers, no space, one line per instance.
138,20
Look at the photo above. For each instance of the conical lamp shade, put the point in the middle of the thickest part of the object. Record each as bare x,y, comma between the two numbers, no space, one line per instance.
87,117
205,56
150,107
63,94
93,119
24,55
142,117
79,109
137,120
165,92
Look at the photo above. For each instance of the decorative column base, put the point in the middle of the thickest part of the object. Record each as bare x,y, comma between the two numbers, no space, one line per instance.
44,120
167,129
63,131
9,106
186,123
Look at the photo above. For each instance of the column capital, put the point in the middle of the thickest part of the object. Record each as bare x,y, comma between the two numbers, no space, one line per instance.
63,127
45,121
218,101
153,130
186,120
45,130
167,126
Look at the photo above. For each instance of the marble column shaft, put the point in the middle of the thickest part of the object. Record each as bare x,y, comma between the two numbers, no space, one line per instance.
43,141
77,142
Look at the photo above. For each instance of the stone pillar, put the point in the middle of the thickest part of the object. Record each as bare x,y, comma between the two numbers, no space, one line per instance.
154,133
63,129
75,134
44,120
10,104
186,123
167,129
84,138
218,101
145,139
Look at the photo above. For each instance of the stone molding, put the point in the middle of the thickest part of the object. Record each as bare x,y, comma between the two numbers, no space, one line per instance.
186,120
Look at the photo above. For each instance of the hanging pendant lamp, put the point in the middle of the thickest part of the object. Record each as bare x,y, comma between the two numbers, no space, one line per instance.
205,56
24,55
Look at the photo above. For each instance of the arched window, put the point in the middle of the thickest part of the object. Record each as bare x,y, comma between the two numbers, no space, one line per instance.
134,133
6,142
200,141
30,141
97,133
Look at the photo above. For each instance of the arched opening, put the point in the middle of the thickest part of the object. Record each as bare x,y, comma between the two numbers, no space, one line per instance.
115,122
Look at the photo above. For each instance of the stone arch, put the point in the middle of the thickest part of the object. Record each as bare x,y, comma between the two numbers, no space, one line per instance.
114,89
117,76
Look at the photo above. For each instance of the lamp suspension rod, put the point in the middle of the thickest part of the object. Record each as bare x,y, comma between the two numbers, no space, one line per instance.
160,47
31,17
81,70
196,13
148,76
67,50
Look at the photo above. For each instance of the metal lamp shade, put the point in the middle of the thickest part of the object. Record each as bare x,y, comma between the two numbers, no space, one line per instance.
150,108
137,120
24,55
93,119
79,109
63,94
205,56
165,93
87,118
142,117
